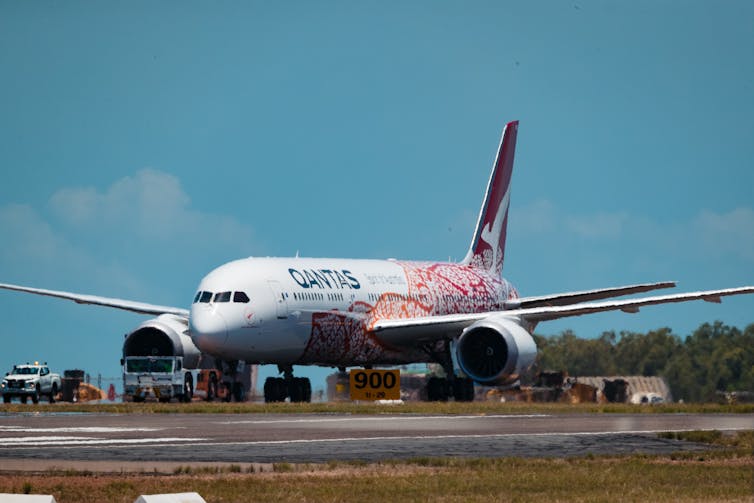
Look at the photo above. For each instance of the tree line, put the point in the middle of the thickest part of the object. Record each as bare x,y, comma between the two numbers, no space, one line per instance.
714,358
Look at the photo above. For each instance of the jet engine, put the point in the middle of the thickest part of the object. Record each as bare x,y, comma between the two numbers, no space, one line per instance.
166,335
495,351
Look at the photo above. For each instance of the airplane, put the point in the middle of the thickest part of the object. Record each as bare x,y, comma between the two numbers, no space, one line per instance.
355,312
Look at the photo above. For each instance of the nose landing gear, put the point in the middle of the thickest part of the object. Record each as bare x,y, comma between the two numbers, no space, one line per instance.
277,389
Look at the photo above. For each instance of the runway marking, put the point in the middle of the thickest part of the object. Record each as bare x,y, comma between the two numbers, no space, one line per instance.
474,436
83,429
83,441
386,418
71,442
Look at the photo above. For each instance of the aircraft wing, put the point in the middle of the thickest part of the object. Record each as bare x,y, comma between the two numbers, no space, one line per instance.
409,332
564,299
126,305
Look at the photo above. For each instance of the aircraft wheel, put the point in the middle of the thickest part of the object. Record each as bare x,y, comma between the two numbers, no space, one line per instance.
301,390
275,390
437,389
463,389
188,389
307,389
212,387
238,392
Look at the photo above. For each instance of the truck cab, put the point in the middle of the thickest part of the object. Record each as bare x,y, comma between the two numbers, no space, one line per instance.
160,377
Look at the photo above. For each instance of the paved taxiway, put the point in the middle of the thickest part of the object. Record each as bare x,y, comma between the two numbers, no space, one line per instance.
232,438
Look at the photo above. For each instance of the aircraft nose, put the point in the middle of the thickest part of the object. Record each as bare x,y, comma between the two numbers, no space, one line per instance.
208,329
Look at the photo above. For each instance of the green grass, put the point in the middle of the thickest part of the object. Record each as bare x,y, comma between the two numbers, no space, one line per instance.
367,408
741,442
724,474
588,479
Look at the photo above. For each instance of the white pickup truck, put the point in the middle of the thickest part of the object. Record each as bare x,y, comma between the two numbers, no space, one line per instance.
28,380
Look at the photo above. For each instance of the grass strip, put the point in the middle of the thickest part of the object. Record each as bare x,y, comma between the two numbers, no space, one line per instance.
724,476
373,408
634,478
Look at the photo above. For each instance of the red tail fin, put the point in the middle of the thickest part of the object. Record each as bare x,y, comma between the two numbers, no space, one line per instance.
488,244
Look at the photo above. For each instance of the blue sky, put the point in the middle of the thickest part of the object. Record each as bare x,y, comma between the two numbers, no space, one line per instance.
143,144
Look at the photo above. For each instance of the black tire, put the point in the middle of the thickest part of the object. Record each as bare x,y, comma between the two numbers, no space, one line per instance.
269,395
53,393
307,390
7,398
437,389
238,392
35,396
296,391
138,399
301,390
24,398
228,392
212,387
188,388
463,389
275,390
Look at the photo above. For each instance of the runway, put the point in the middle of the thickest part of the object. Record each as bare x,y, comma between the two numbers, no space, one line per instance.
267,438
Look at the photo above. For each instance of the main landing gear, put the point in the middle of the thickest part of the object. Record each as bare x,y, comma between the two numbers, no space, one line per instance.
439,389
277,389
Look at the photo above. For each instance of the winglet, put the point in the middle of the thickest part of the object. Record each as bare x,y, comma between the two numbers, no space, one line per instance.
488,244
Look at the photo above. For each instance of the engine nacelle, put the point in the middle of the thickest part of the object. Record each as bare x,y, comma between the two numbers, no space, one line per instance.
166,335
495,351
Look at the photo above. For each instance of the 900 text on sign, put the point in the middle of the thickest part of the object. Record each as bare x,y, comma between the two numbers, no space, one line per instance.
375,384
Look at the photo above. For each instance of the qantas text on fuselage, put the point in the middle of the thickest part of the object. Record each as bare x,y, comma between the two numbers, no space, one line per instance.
353,312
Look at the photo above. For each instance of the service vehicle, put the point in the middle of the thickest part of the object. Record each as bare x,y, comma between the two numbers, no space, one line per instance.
28,380
159,377
211,385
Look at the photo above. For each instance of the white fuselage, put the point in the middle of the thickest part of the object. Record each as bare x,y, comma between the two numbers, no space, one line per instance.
319,311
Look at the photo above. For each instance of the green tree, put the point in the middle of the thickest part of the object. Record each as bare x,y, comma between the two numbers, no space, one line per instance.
715,357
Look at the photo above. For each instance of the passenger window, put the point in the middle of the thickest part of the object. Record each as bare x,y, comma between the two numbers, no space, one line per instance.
206,297
222,297
240,297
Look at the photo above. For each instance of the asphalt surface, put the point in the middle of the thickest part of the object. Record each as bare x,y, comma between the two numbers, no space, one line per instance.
31,440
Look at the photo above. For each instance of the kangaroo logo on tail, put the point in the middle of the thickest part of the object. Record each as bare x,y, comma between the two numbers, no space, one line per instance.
488,244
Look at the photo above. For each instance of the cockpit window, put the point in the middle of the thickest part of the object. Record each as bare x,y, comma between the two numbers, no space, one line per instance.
196,297
205,297
240,297
222,297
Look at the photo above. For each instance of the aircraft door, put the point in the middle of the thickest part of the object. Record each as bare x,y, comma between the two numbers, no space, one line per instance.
281,303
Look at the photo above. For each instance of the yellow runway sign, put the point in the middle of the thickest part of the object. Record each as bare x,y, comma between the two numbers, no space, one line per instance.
375,384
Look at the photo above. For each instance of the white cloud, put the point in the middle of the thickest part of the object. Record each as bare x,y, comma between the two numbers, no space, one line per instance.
704,236
139,236
728,233
36,251
27,236
151,204
543,217
600,225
